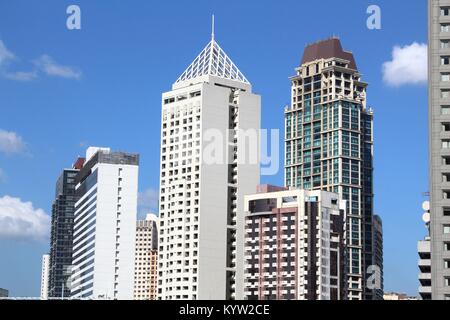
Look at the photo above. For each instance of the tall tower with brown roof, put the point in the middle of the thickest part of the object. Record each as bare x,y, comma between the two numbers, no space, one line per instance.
329,146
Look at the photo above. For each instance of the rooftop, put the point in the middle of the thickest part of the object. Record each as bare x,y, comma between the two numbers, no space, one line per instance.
326,49
213,61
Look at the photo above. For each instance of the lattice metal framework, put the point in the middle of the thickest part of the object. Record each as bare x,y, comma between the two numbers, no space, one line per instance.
213,61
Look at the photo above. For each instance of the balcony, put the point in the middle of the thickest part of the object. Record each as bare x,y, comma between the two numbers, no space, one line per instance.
425,276
424,265
425,279
424,247
424,289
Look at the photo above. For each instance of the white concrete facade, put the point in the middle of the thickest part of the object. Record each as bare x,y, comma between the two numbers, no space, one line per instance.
45,276
201,201
439,145
105,226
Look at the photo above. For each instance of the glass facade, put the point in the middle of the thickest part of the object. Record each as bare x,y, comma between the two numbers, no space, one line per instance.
328,145
63,209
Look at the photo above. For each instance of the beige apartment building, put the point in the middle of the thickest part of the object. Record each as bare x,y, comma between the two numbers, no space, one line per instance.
146,258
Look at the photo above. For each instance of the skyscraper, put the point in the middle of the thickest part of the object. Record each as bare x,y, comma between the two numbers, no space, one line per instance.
439,145
105,226
378,261
44,276
63,210
328,145
203,180
146,257
294,245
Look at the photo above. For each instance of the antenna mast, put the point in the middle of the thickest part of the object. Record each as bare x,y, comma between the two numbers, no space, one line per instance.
212,29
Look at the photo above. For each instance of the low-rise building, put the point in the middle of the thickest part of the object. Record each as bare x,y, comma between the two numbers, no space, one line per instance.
4,293
397,296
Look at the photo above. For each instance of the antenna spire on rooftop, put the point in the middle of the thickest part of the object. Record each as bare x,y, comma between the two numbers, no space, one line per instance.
212,28
212,61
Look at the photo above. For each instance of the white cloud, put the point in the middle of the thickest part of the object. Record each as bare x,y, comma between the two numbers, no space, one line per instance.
409,65
46,64
21,75
42,65
10,142
147,201
20,220
5,54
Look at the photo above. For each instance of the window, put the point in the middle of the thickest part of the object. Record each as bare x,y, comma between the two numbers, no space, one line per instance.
445,11
447,281
445,27
169,100
446,228
446,246
445,144
446,211
445,44
447,264
446,194
445,93
445,110
446,160
445,77
445,60
446,126
446,177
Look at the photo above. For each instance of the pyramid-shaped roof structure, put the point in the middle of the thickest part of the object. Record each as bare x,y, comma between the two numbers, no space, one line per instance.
215,62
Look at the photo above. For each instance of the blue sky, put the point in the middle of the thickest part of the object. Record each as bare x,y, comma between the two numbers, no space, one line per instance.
62,90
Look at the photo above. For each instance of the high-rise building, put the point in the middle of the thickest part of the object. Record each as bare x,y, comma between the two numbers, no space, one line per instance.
439,145
146,257
4,293
105,226
328,146
63,210
294,245
424,251
377,245
44,276
203,178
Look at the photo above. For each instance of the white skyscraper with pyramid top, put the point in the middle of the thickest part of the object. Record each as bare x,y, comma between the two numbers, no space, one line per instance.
201,199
